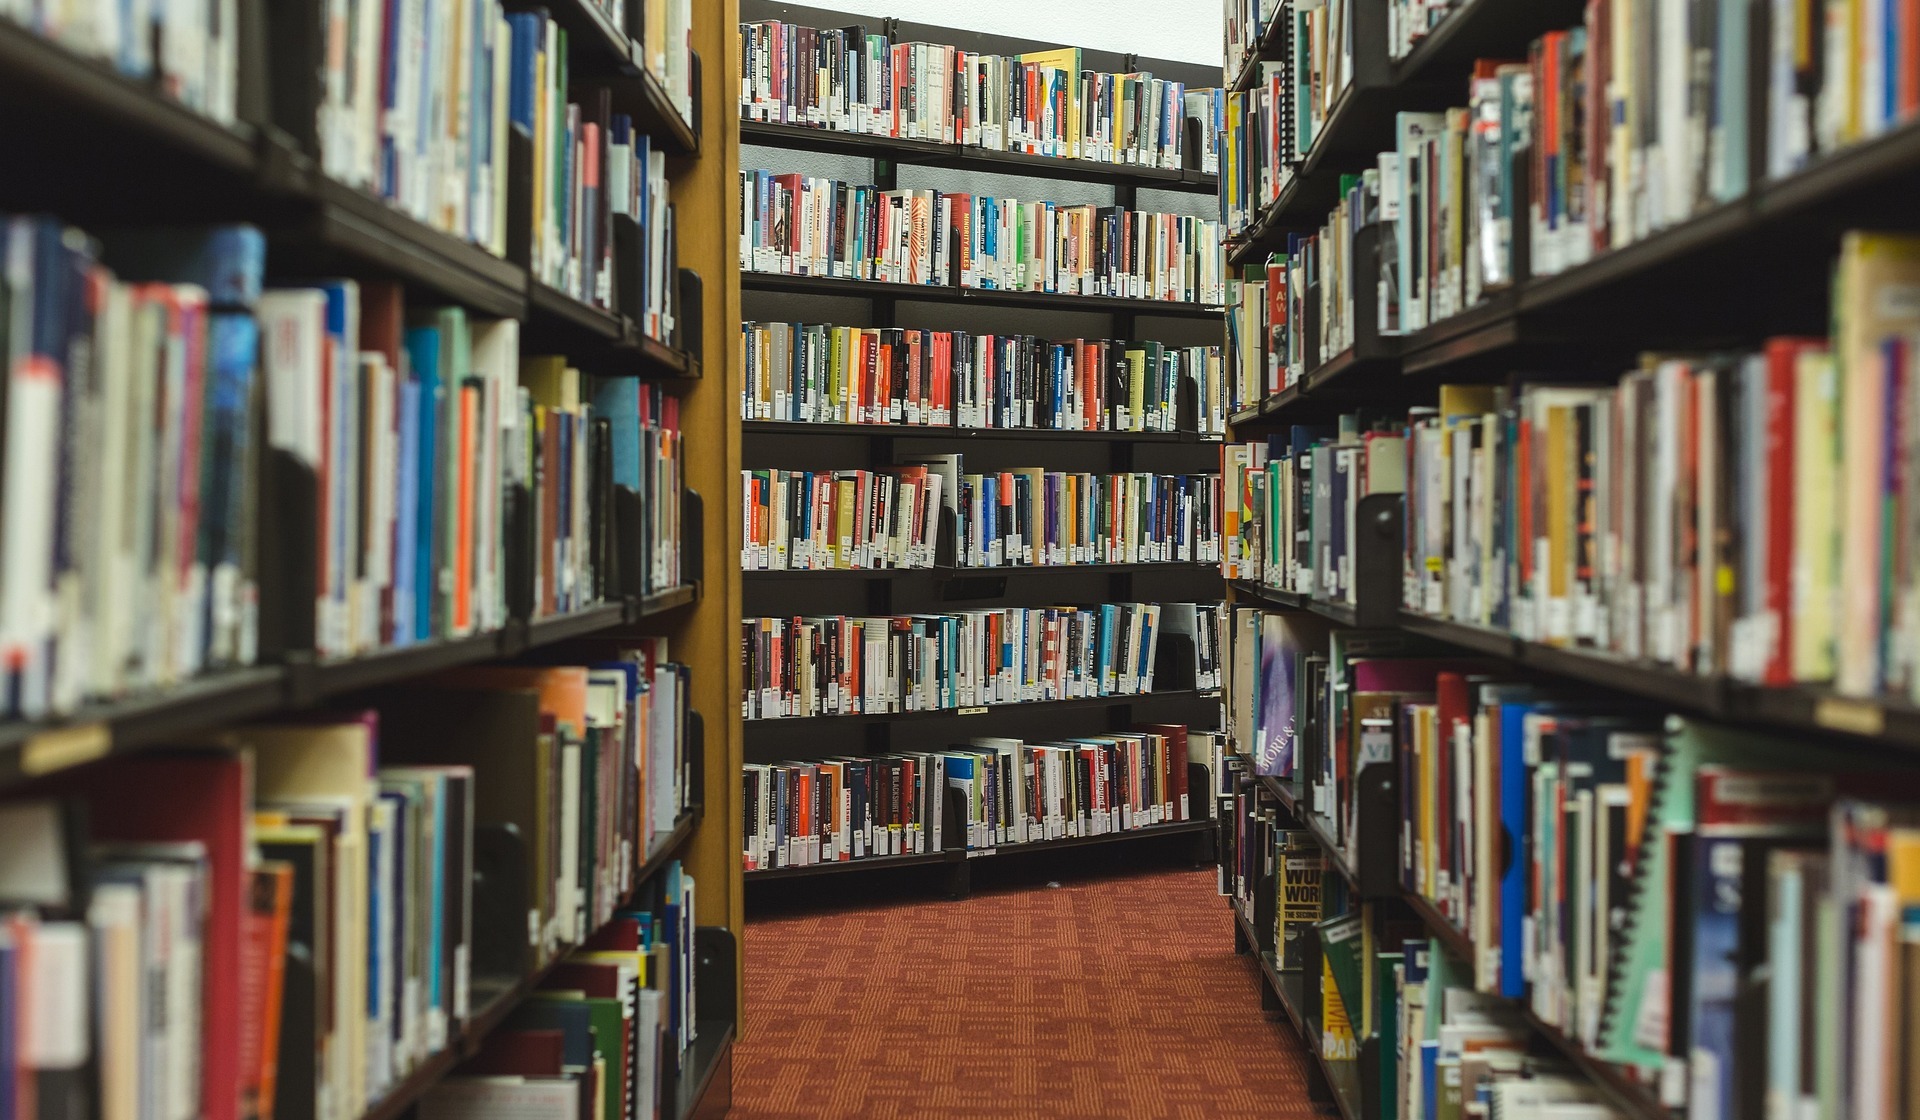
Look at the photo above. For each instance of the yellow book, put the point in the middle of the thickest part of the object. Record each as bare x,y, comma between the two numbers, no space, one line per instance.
551,382
1816,520
1063,73
843,523
1558,453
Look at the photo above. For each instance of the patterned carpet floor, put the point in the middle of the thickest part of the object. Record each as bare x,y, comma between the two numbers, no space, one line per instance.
1114,994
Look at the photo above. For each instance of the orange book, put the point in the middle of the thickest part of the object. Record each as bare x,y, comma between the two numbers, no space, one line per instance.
269,920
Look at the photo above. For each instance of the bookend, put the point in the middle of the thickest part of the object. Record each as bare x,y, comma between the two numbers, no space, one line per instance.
953,835
1176,664
288,545
696,763
1377,559
693,535
501,868
689,330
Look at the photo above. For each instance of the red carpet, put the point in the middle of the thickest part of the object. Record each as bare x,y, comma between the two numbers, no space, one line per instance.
1114,997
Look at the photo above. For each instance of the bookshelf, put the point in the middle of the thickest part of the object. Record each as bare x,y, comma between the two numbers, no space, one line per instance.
888,161
109,151
1727,277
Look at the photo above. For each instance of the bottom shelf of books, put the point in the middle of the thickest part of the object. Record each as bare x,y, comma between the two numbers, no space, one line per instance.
450,896
1566,903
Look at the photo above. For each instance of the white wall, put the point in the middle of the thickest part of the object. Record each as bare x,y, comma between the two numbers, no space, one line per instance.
1177,30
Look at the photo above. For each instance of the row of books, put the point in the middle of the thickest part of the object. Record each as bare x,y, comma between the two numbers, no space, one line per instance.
847,520
290,918
799,814
848,79
420,111
1292,505
1260,146
841,665
1838,73
1025,517
822,374
415,112
1271,127
457,473
415,106
1033,517
603,228
439,480
1005,791
1765,857
1245,26
1613,134
1410,21
605,1030
804,225
1625,876
1732,513
1445,1048
1300,310
191,56
124,495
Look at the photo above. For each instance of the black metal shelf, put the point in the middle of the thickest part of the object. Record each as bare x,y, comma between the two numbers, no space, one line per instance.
960,855
948,293
833,867
1334,382
1888,721
945,571
661,602
1172,696
1346,614
710,1062
970,157
31,749
1451,937
666,844
945,432
1478,29
34,70
1174,828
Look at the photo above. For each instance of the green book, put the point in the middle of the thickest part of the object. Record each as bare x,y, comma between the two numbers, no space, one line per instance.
1340,943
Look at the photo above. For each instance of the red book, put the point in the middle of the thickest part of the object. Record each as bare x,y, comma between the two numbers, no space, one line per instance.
1783,359
202,797
519,1054
1177,790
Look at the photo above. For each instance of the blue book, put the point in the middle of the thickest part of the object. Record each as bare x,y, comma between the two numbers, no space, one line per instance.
672,933
527,29
1715,925
1515,789
1430,1077
423,354
406,534
233,344
618,399
989,514
343,299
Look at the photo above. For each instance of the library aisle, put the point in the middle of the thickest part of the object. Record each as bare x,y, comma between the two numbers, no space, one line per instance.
1115,994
